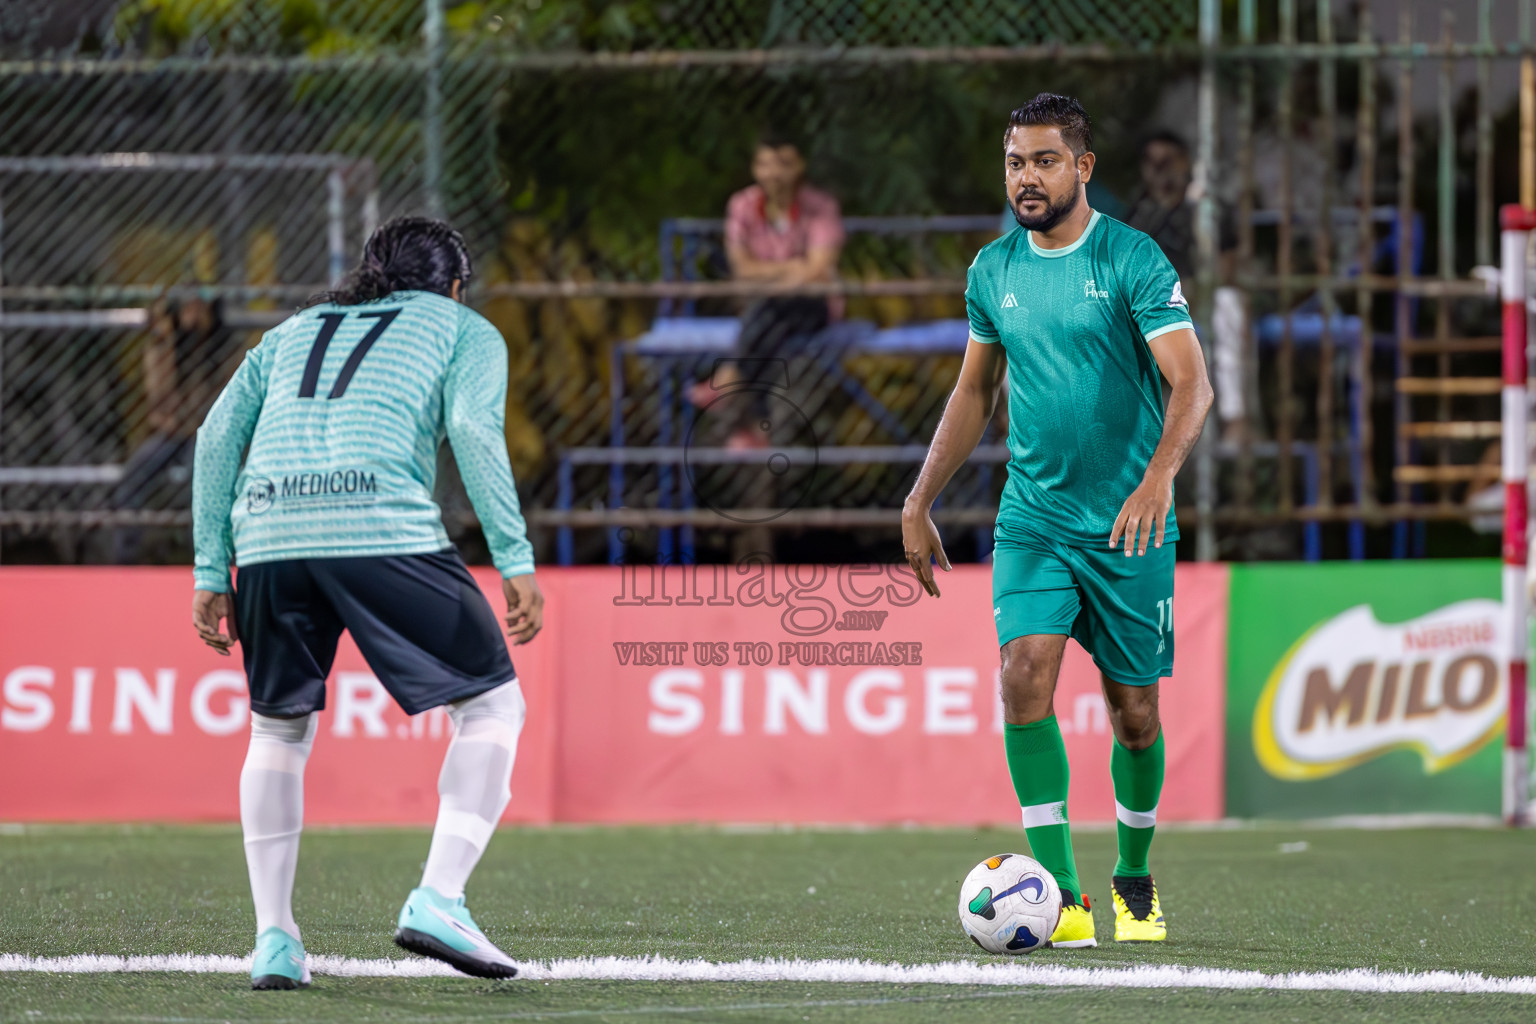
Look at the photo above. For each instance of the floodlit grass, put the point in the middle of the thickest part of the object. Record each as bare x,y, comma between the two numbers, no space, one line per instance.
1251,899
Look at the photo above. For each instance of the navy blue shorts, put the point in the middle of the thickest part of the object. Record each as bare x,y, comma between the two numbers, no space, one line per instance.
425,628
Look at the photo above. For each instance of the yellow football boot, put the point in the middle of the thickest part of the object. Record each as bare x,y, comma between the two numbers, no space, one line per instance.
1138,915
1075,929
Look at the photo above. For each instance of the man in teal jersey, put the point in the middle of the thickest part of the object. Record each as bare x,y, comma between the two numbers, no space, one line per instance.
1086,315
340,411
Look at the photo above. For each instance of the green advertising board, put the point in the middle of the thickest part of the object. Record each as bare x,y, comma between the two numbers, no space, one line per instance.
1365,688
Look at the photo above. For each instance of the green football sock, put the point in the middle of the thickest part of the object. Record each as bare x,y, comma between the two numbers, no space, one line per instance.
1037,760
1138,776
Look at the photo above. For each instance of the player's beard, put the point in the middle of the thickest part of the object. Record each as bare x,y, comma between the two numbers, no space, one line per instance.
1056,210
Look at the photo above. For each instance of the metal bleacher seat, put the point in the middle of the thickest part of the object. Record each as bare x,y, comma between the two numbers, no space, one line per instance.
1307,323
1306,319
677,336
679,341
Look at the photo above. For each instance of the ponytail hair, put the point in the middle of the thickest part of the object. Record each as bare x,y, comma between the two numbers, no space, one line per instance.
404,254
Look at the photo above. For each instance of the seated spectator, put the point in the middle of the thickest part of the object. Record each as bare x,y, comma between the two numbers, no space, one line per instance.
784,231
1164,211
1162,208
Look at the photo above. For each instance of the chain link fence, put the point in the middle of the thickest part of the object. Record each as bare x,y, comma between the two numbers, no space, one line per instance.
176,175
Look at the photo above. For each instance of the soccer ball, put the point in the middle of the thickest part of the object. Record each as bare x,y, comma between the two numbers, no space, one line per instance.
1009,904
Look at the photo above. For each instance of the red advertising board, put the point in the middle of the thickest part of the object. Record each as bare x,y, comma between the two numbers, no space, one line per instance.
746,693
837,694
111,709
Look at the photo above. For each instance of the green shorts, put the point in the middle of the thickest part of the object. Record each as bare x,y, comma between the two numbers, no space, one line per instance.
1120,609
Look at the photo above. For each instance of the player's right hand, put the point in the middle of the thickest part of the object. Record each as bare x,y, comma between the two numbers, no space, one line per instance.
525,607
208,607
920,539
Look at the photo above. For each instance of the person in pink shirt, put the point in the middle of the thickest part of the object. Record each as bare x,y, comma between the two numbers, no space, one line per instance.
783,231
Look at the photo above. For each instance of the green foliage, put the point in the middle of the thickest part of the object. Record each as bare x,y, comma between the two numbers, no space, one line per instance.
327,27
560,24
316,28
322,28
607,157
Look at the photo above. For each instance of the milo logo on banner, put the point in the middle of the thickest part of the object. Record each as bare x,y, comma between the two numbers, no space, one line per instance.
1355,688
1365,688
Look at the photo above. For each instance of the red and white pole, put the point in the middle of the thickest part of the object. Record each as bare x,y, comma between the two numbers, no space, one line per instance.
1516,224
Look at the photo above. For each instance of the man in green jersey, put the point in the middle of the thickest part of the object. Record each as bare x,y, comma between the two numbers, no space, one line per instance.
1086,315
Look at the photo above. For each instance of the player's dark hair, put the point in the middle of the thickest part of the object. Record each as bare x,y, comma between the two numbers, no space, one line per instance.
404,254
1053,111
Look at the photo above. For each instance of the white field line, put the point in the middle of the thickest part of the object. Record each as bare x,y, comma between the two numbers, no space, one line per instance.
612,968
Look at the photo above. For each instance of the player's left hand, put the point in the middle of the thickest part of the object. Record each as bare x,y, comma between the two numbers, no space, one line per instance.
1145,510
208,608
525,607
920,540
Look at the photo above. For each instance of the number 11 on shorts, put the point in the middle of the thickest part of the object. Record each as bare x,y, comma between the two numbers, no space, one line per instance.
1164,615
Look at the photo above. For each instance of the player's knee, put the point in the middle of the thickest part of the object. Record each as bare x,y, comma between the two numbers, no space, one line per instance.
497,715
299,730
1026,690
280,744
1136,723
477,773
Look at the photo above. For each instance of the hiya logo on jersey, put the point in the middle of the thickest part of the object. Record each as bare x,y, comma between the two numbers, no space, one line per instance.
1091,290
1354,688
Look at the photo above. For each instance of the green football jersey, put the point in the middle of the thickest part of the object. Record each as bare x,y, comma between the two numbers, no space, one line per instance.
1085,398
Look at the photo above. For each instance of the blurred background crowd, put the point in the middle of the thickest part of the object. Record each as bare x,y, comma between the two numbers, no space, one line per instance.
717,232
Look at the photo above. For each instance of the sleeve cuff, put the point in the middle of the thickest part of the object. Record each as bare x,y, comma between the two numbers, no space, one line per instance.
1182,325
210,580
982,338
520,569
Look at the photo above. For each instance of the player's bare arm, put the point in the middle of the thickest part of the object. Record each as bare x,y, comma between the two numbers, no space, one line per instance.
1179,358
965,419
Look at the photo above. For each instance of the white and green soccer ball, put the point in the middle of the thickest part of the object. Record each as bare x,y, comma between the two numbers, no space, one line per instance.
1009,904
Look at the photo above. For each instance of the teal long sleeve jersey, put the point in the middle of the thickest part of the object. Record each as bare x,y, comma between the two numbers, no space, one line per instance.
341,410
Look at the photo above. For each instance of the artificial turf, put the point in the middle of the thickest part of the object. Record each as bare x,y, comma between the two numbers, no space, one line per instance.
1274,899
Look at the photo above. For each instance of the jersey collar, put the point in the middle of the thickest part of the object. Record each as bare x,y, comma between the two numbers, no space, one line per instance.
1053,254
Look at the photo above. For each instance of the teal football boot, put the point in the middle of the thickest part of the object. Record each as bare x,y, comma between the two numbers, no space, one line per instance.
442,929
279,961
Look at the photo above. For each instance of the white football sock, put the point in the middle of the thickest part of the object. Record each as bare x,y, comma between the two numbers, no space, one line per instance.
475,784
272,814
